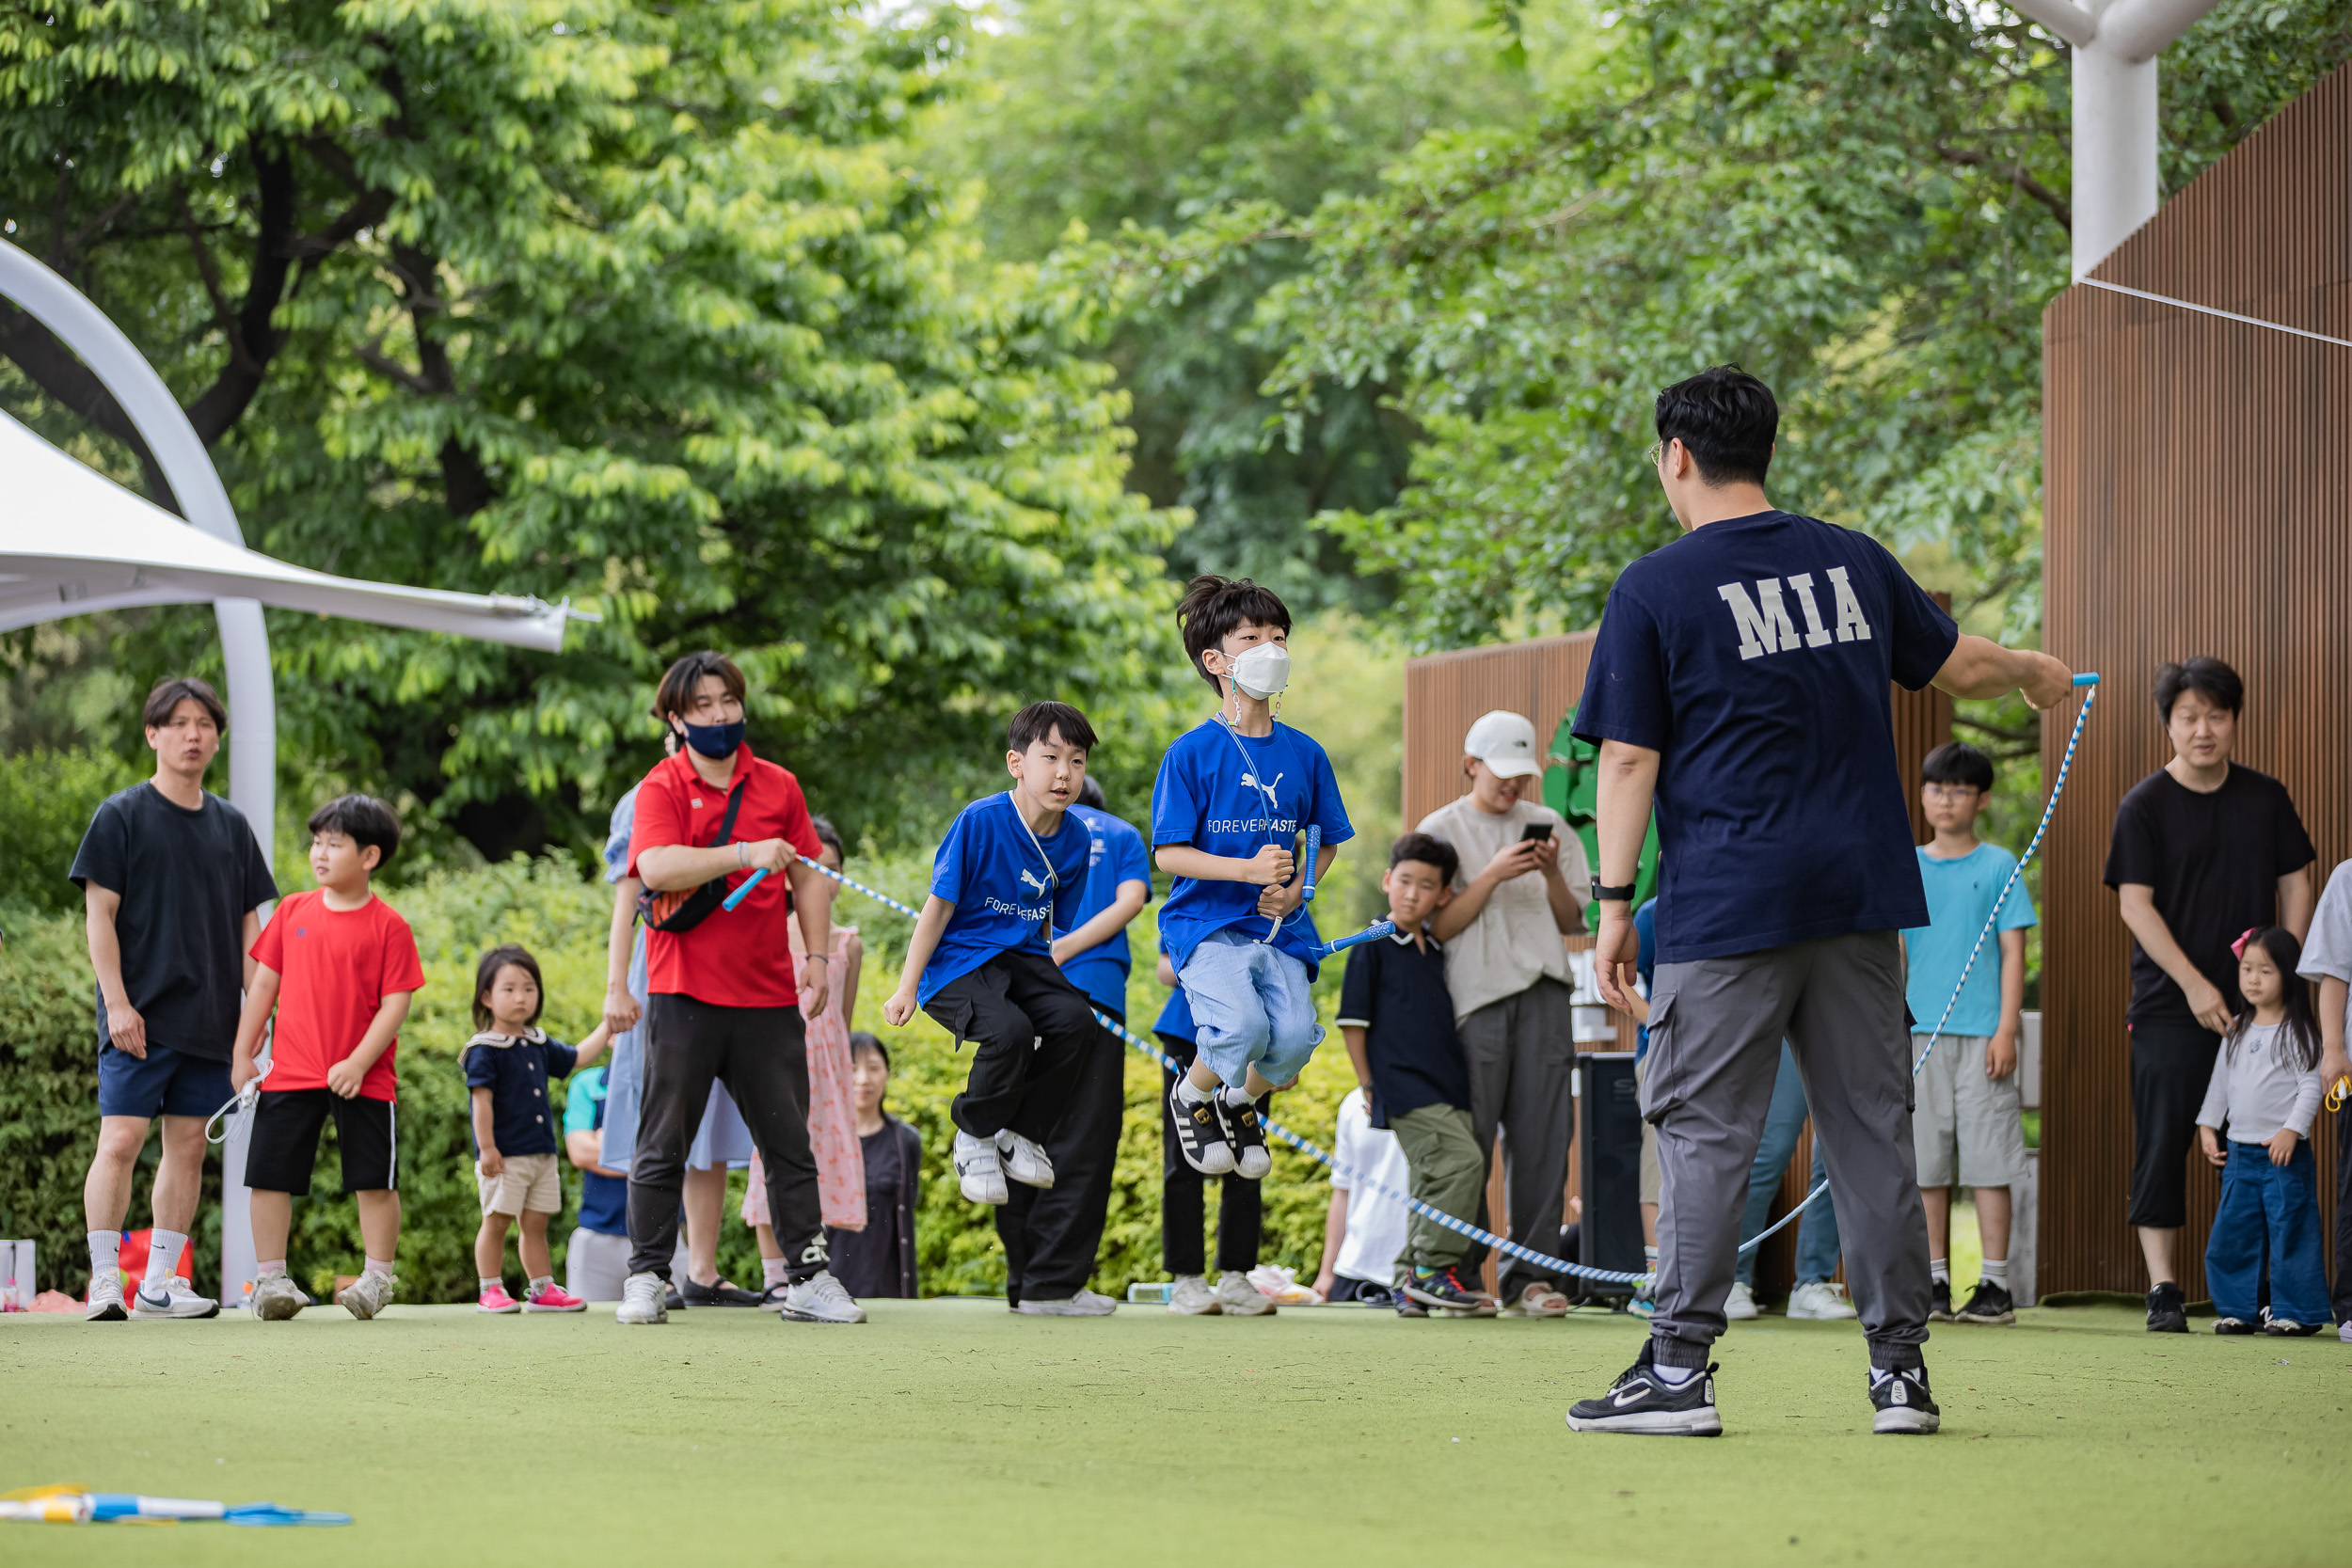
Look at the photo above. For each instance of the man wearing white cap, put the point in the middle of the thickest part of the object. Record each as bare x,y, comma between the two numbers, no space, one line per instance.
1509,977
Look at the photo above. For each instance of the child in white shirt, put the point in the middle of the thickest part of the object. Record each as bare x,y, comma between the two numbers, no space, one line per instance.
2266,1092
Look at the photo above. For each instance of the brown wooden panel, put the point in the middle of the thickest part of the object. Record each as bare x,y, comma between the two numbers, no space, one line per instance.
2198,499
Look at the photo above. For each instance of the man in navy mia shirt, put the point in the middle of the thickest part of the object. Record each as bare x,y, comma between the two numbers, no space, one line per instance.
1740,686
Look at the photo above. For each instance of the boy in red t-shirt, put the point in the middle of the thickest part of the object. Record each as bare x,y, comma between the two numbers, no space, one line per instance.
338,966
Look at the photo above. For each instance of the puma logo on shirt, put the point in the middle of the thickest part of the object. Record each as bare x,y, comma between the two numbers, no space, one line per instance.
1763,621
1030,878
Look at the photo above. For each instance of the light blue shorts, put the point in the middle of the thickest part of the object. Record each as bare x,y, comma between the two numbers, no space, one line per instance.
1251,1004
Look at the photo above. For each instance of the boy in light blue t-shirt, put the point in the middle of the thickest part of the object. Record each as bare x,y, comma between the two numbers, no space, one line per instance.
1233,796
1968,1129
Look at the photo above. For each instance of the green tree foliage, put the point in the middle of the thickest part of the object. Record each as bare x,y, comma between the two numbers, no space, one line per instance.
1103,113
1864,203
46,798
631,303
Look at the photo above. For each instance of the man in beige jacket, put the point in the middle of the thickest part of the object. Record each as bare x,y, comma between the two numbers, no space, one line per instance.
1520,888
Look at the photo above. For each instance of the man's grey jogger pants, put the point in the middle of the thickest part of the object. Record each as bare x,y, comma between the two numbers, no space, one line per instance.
1715,1030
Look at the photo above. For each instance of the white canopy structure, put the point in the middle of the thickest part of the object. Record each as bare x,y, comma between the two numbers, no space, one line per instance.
73,542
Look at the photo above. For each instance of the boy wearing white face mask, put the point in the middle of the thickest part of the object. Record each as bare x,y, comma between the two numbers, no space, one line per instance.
1233,796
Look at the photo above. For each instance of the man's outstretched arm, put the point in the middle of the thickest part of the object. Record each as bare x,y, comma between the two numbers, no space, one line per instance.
1980,668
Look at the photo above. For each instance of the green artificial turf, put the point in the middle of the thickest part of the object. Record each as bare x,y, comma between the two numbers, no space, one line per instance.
947,1433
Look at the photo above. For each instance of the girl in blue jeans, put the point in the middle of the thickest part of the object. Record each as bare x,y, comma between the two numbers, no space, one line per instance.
2263,1097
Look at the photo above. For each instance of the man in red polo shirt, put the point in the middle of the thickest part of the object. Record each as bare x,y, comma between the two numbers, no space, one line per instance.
723,1003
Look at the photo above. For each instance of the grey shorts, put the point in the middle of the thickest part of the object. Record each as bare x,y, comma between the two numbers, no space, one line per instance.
1966,1129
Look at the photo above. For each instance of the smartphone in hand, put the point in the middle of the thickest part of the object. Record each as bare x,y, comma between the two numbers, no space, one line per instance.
1536,831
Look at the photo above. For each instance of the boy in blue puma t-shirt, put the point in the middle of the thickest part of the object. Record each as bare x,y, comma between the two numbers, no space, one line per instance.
1233,796
1012,867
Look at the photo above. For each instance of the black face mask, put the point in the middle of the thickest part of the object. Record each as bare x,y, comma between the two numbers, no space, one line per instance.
715,741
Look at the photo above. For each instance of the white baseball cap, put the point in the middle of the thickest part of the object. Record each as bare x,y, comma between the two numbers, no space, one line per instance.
1505,742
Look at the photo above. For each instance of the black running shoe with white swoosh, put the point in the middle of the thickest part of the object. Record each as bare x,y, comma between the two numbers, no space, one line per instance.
1899,1395
1641,1401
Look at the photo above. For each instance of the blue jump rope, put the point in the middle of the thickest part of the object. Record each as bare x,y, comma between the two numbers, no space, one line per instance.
1381,929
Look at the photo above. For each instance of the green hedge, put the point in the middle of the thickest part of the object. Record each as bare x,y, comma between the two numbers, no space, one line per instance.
48,1080
46,798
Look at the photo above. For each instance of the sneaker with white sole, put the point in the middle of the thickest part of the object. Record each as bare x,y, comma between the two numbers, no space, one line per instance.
820,1299
642,1299
276,1297
1085,1304
1643,1402
1245,1132
1023,1161
1192,1297
1200,1132
496,1302
1740,1304
177,1299
1988,1304
1818,1301
1237,1298
1901,1403
104,1305
981,1170
552,1297
367,1295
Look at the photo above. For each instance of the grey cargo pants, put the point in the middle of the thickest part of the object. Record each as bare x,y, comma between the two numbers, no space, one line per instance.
1715,1030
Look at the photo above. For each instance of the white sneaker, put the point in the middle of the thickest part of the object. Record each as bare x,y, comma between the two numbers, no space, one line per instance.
367,1295
1086,1304
106,1299
1819,1299
177,1299
978,1169
820,1299
1023,1160
275,1298
1237,1298
1740,1304
1190,1297
641,1300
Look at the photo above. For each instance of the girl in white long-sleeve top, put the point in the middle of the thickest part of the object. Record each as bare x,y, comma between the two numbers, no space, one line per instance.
2263,1098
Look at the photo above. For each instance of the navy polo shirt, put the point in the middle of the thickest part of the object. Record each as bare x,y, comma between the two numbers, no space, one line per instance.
1395,991
517,1076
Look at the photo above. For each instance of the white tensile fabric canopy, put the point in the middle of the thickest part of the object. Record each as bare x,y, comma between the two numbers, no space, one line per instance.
73,542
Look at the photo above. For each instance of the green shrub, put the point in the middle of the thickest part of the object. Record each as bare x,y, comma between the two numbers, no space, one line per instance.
46,798
48,1079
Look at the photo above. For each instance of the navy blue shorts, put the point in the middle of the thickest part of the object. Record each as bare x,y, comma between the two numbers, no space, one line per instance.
165,1083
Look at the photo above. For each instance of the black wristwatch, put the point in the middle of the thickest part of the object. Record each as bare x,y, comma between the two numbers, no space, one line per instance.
1605,895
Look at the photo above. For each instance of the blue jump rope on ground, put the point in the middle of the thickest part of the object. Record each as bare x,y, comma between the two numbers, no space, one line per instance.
1381,929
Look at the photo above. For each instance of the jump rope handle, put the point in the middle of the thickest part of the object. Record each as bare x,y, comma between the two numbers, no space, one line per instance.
2087,679
745,891
1314,853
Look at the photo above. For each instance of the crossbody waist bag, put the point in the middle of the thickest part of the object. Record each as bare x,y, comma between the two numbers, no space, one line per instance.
686,908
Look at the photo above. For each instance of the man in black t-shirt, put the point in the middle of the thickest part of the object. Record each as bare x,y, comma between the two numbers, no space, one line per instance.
172,882
2202,850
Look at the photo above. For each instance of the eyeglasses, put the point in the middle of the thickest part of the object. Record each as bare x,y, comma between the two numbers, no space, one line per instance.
1656,452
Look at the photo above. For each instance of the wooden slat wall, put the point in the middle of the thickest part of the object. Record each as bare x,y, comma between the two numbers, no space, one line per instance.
1445,692
2199,499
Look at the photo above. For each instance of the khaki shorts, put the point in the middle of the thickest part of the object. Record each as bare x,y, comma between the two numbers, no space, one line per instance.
1966,1129
528,1184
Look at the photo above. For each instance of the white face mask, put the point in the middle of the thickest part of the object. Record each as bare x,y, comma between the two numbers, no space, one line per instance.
1262,671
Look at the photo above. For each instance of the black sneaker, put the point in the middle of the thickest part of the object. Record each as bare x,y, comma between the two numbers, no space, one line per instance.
719,1294
1407,1308
1638,1402
1246,1133
1902,1403
2234,1326
671,1300
1200,1133
1447,1288
2167,1311
1940,1302
2287,1328
1988,1304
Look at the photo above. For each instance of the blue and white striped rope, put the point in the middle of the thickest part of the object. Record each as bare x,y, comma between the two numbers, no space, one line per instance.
2066,763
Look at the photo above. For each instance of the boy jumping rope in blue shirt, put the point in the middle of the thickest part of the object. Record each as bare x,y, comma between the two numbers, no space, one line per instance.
1012,867
1233,796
